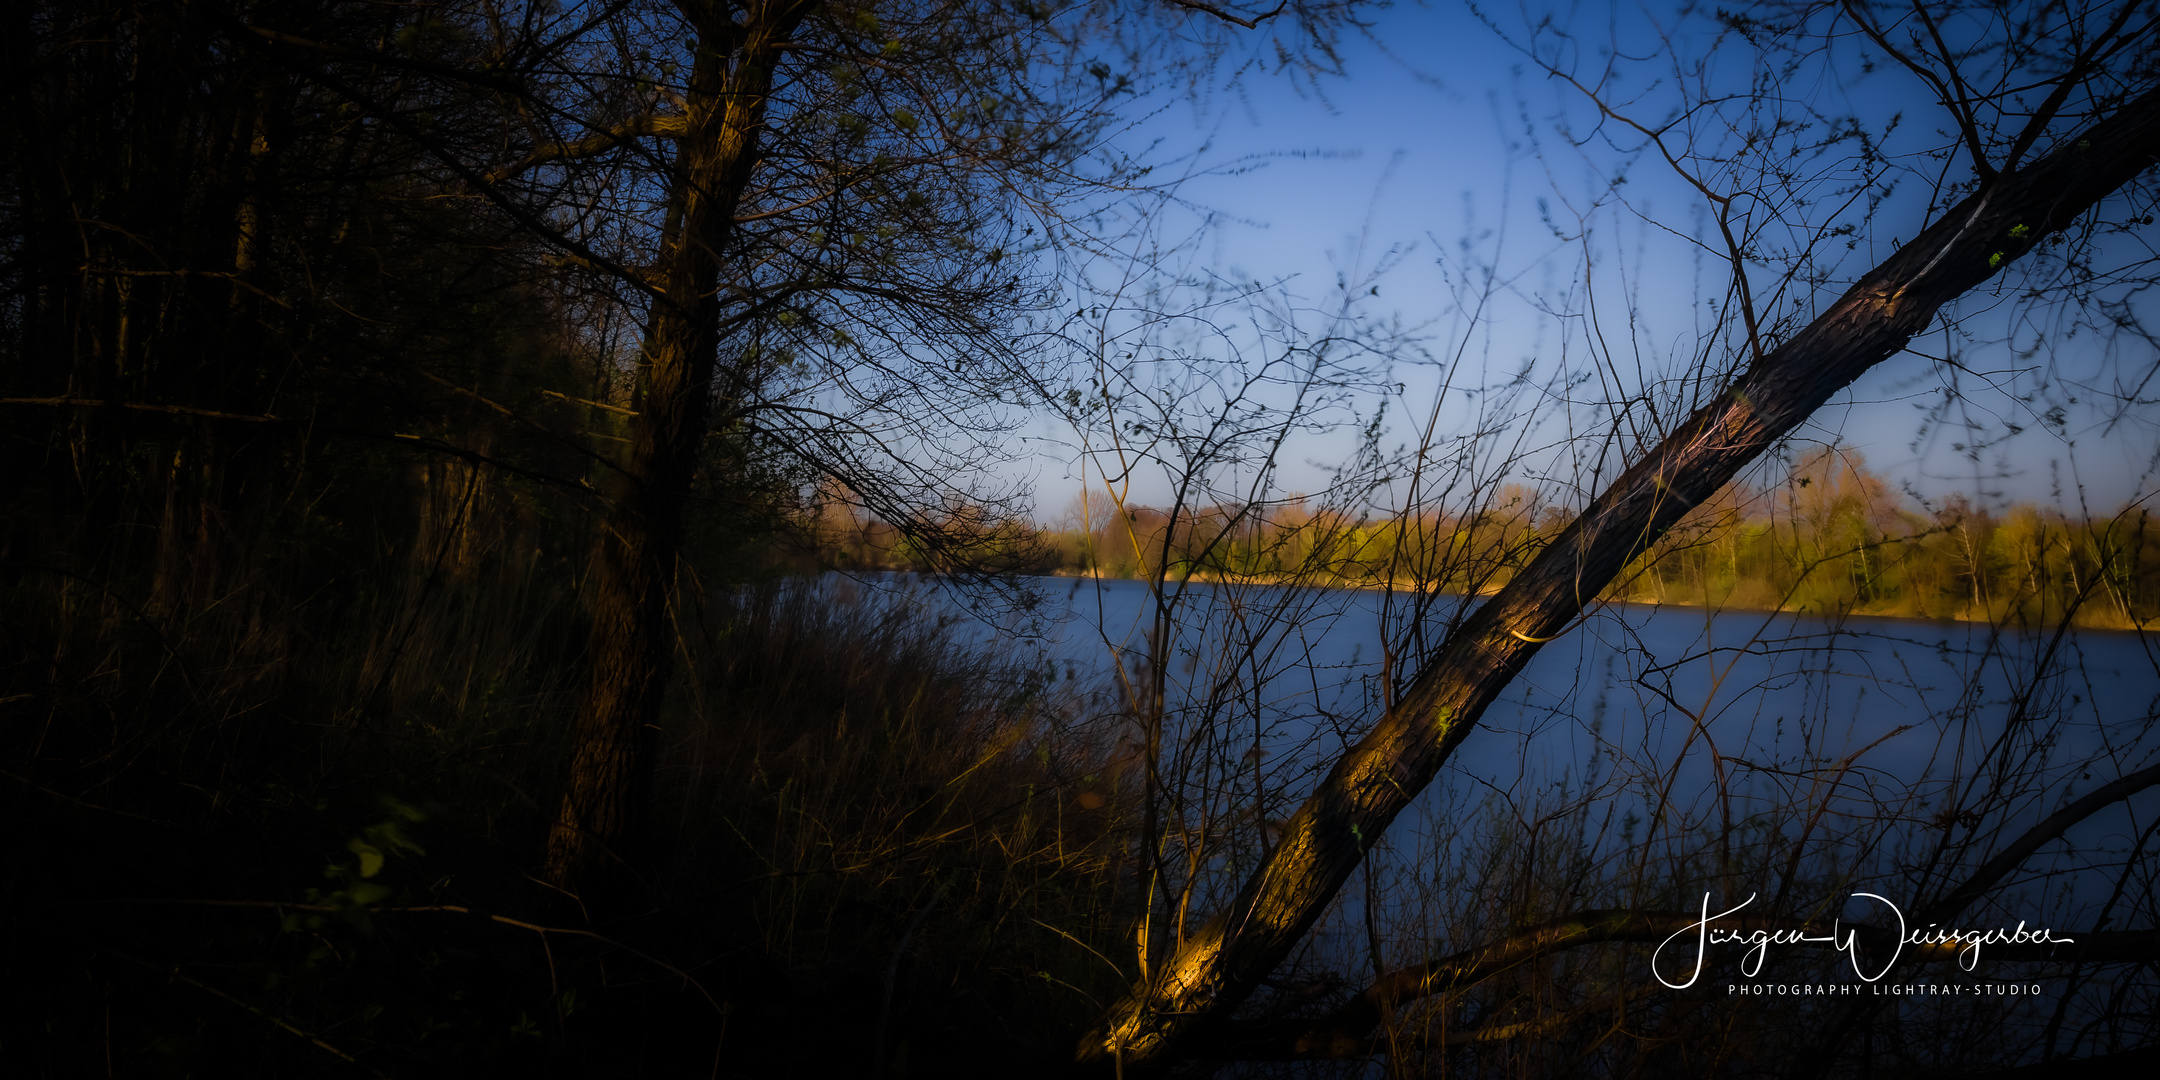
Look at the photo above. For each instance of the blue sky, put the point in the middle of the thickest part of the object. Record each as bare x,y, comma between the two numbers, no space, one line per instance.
1443,134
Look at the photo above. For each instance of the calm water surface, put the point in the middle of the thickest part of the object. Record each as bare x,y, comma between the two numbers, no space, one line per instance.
1702,716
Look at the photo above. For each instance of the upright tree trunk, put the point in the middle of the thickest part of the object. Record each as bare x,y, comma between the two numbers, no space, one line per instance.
599,826
1372,783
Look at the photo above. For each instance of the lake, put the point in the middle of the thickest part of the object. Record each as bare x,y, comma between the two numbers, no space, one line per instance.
1899,750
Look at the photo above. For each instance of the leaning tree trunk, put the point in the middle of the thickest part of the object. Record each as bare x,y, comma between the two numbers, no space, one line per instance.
597,830
1220,965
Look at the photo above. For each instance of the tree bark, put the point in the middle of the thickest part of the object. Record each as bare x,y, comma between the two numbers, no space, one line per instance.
1375,780
592,847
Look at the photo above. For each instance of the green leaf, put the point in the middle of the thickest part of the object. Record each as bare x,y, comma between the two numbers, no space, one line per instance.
371,857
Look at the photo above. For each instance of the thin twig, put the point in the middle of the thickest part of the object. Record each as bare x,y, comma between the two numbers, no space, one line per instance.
173,973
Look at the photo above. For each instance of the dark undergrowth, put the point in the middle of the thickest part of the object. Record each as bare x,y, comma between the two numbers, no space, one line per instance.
258,837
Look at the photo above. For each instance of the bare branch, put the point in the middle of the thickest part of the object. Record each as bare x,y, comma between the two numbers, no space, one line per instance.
422,441
1374,781
1348,1032
1210,9
1954,100
663,127
389,60
1987,877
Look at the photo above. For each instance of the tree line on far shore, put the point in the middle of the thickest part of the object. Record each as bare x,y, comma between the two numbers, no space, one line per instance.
1833,537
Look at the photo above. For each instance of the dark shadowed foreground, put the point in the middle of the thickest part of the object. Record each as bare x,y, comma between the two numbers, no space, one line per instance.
872,850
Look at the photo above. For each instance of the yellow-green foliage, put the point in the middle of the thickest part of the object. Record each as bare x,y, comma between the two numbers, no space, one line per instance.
1836,538
1833,537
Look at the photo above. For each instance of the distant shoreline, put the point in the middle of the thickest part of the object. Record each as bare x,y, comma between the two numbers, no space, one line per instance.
1956,620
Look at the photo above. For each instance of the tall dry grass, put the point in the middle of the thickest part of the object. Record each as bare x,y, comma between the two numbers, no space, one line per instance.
289,832
917,846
